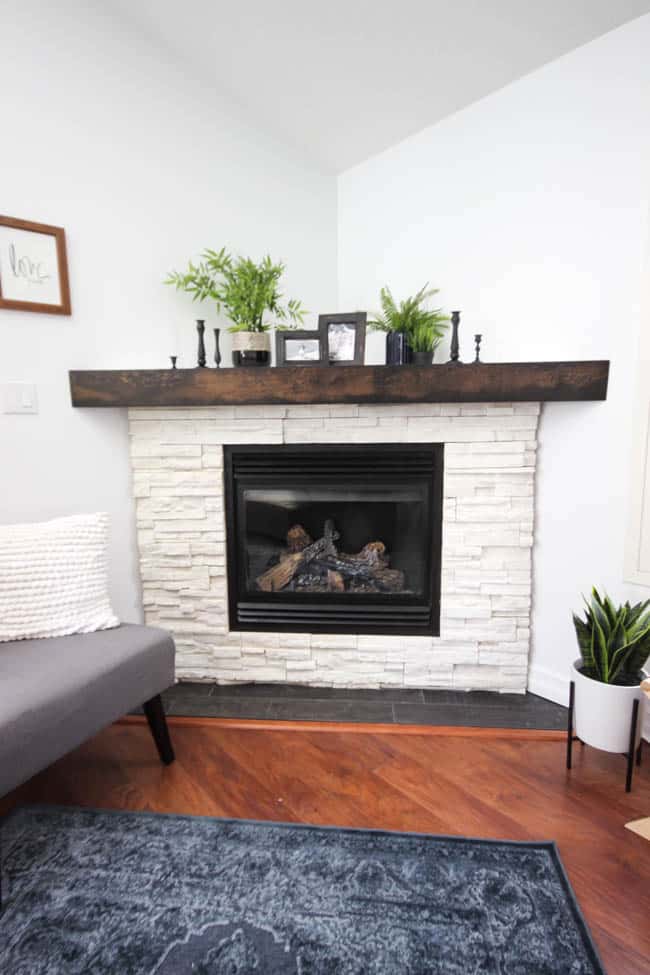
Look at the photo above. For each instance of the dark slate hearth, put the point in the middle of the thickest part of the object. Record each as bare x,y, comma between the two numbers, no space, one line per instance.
292,702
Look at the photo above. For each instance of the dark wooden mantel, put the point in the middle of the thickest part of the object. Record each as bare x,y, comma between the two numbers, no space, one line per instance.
487,383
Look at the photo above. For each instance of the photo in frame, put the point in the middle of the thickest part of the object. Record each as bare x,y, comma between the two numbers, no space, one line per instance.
299,348
33,267
343,338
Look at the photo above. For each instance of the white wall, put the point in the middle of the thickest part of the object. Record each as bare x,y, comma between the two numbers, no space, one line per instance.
143,168
530,210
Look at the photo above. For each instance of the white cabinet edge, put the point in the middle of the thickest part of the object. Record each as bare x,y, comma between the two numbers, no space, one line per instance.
639,498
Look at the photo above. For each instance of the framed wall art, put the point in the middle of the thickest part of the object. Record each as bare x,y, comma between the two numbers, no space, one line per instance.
299,348
344,338
33,267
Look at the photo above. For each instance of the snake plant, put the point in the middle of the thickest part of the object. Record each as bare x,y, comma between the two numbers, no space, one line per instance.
614,640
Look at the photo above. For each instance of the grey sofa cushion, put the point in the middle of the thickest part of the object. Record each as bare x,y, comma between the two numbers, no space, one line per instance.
57,692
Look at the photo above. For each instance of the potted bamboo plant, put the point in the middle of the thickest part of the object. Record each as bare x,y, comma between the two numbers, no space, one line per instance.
246,292
413,331
614,644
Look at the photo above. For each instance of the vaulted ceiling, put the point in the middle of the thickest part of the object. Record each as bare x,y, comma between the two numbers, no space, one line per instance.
345,79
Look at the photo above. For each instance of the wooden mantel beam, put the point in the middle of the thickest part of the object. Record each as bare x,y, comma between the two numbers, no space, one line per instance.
450,383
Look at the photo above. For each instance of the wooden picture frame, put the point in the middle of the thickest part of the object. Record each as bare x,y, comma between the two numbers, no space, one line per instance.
348,348
33,267
288,345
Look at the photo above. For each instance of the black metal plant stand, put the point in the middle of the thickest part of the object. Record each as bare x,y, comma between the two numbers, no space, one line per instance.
629,754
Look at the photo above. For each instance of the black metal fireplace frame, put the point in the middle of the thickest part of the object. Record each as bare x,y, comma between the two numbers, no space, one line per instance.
390,614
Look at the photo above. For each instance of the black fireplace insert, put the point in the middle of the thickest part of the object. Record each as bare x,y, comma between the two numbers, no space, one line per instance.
334,539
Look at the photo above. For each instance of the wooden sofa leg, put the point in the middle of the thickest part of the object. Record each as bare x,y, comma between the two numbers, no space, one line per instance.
155,713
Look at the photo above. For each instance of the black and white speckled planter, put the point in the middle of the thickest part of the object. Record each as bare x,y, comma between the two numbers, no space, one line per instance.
251,348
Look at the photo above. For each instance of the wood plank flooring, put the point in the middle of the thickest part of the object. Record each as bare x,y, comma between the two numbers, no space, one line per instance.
507,785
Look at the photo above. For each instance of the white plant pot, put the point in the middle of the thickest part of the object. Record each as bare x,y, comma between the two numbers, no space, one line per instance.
603,712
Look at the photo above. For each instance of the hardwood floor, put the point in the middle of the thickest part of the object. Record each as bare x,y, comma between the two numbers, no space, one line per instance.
508,785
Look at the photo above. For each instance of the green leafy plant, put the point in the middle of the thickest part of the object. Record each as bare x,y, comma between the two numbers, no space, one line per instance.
423,338
246,291
614,640
424,327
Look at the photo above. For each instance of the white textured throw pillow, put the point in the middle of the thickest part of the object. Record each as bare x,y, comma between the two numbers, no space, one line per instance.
54,579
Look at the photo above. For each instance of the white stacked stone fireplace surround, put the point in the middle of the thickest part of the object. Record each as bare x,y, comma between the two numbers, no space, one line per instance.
488,517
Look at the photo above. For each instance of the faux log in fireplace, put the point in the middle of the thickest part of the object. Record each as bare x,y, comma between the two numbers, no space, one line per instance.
334,538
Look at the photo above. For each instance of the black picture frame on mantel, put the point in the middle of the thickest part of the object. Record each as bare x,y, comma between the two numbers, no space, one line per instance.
344,337
299,348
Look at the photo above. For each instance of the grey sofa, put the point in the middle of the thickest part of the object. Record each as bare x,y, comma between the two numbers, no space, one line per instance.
57,692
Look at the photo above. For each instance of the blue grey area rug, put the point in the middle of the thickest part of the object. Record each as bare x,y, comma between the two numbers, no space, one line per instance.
113,893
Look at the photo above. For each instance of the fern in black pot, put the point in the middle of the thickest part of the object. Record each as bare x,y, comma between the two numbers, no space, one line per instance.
413,331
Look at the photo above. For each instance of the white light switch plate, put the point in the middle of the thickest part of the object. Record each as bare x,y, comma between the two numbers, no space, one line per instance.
19,398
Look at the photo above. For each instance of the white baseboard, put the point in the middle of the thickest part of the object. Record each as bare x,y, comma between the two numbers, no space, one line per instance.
555,687
549,684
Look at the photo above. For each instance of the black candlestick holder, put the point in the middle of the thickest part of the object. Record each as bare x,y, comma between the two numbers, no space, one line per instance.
174,360
200,327
477,342
455,345
217,350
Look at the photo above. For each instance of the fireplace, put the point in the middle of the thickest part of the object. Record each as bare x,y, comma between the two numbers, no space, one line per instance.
186,542
334,539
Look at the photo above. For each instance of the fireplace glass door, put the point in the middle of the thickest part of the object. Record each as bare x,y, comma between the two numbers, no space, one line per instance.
333,538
